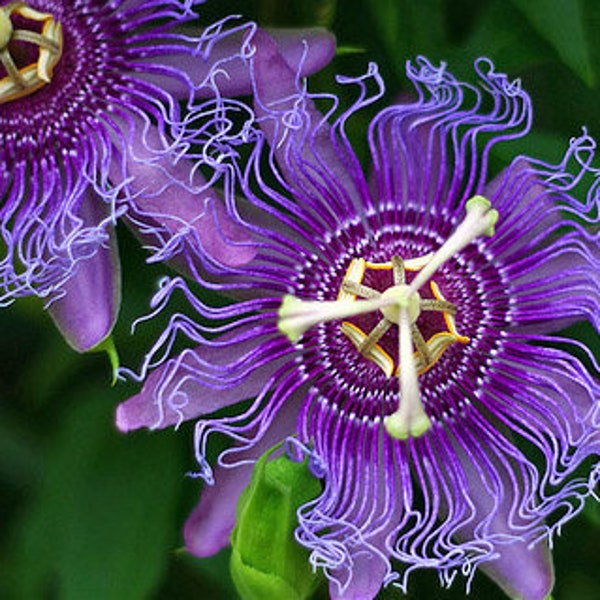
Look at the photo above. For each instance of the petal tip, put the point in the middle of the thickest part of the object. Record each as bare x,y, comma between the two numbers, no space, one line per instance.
121,420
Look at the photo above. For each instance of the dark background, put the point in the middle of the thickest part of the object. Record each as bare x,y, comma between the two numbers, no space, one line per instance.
87,513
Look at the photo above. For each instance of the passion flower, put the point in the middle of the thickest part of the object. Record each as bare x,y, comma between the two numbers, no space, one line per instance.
401,329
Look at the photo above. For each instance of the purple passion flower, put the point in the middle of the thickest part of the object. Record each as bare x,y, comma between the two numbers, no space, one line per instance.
424,379
97,108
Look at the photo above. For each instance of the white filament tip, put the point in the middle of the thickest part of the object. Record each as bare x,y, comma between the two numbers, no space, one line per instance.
482,207
296,316
402,426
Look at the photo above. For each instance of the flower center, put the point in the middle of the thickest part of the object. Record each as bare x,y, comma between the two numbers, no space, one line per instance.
401,296
400,305
27,72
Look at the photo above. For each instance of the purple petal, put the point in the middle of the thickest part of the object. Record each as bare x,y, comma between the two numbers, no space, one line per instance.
548,269
192,384
347,528
209,527
368,574
521,571
304,50
86,313
277,86
516,192
394,172
172,202
312,161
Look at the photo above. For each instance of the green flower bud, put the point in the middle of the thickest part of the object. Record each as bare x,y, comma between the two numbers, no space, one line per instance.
266,560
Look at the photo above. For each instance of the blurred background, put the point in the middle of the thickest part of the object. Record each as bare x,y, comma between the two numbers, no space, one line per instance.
87,513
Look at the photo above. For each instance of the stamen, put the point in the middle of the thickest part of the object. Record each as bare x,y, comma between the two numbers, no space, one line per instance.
367,345
357,289
296,316
399,270
410,420
376,353
421,344
23,81
480,220
439,305
6,29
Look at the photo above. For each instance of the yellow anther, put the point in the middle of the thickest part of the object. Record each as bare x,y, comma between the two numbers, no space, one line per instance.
427,352
25,80
374,353
6,29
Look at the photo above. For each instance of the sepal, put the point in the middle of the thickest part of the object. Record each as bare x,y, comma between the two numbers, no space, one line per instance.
87,305
108,345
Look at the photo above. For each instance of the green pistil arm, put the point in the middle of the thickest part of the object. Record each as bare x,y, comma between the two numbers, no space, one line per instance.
410,420
480,220
296,316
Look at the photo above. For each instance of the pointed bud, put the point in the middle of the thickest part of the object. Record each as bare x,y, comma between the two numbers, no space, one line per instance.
267,563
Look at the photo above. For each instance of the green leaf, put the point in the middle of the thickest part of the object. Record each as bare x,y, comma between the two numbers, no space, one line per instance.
18,451
502,35
296,13
101,524
550,147
591,512
561,24
408,28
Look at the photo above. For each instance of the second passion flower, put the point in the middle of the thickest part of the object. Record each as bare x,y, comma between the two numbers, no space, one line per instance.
98,101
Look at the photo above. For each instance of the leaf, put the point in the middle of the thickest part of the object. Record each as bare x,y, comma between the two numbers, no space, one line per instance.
296,13
502,35
408,28
561,23
101,525
18,451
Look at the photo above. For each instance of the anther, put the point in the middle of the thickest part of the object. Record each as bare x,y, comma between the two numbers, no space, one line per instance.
296,316
360,290
410,419
480,220
366,346
22,81
6,29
